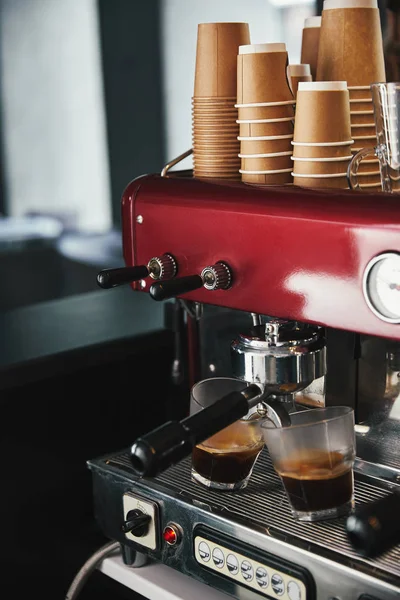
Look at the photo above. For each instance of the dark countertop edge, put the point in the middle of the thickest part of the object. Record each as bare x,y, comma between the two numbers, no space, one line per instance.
78,359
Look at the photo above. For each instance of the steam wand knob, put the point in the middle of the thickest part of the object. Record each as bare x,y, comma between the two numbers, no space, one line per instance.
158,267
213,277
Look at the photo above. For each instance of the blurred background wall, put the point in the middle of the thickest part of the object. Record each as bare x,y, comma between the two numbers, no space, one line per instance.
94,93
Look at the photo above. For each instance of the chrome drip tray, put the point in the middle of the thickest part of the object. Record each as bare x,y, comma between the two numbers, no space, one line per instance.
264,504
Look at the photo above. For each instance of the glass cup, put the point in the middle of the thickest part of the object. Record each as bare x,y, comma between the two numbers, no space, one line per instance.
386,101
314,458
225,461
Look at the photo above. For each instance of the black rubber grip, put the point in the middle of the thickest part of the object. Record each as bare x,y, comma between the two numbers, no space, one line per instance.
173,441
110,278
162,290
375,527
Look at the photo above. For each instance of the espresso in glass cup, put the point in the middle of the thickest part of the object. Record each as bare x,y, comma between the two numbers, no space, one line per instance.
226,460
314,458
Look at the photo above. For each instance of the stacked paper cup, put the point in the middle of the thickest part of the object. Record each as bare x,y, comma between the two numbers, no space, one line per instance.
351,49
266,114
214,115
322,135
297,73
310,43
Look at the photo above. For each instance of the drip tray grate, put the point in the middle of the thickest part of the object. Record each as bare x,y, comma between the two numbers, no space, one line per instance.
264,503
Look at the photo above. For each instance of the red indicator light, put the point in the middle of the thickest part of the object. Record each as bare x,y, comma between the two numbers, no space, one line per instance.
170,535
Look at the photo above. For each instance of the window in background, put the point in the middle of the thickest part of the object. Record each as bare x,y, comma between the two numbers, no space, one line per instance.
53,114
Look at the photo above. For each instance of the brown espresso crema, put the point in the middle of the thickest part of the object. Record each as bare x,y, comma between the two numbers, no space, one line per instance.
317,480
228,456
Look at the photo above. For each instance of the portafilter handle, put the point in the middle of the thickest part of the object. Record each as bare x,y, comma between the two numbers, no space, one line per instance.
171,442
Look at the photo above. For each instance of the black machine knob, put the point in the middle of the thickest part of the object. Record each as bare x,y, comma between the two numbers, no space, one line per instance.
214,277
137,523
158,267
375,527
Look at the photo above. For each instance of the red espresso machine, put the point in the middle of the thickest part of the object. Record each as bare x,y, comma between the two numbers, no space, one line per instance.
235,255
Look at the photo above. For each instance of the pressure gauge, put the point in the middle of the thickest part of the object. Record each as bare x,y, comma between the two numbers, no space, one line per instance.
381,286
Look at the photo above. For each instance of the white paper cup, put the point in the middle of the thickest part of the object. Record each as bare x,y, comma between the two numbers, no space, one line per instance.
265,172
261,48
250,121
330,159
322,86
259,104
319,176
346,143
312,22
272,155
265,138
331,4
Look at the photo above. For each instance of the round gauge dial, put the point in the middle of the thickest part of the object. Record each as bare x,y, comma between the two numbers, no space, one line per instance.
381,286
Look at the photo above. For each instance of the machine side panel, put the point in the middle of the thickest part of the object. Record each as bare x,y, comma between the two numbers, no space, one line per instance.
296,254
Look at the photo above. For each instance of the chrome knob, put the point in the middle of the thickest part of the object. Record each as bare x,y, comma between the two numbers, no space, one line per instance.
217,277
162,267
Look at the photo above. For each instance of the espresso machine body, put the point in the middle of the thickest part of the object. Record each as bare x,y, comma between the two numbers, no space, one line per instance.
301,256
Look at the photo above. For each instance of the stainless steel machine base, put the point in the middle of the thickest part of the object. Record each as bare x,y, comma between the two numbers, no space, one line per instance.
244,543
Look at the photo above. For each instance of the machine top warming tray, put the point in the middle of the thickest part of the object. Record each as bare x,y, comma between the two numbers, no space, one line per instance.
264,504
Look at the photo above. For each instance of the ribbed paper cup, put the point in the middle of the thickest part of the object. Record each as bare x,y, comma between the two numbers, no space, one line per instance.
255,112
365,117
368,166
261,73
319,167
268,128
322,151
350,45
267,178
369,177
216,52
310,43
265,145
322,182
357,106
270,163
322,112
296,74
360,92
368,129
229,177
308,151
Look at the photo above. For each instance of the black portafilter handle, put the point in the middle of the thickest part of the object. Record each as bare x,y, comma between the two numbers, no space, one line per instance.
162,290
375,526
110,278
171,442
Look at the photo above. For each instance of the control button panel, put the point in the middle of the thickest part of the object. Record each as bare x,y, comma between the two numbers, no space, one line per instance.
263,578
132,502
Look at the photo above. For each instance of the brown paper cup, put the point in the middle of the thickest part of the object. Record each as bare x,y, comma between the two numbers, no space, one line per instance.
361,106
301,151
302,167
309,47
361,130
265,112
368,178
271,179
230,176
261,77
264,146
328,183
368,166
216,52
272,163
350,46
360,94
266,129
362,118
322,116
